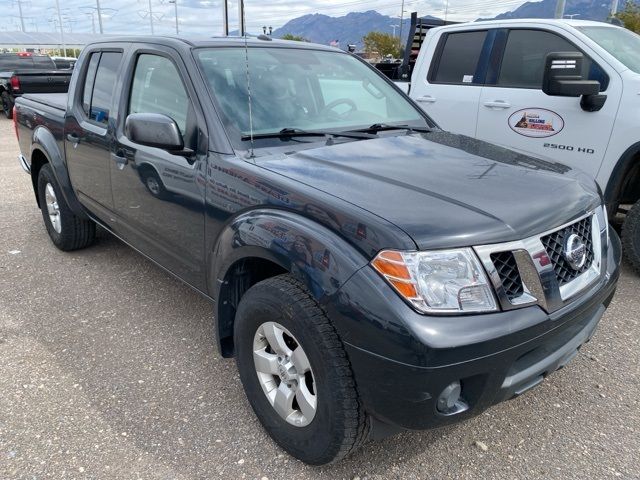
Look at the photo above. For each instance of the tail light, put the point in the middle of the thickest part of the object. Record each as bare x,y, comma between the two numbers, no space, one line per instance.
15,122
15,83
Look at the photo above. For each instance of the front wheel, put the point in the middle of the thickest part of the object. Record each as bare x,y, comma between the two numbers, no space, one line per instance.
296,374
7,105
66,230
631,236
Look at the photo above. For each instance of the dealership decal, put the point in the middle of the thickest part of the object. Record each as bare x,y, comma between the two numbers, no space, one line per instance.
536,122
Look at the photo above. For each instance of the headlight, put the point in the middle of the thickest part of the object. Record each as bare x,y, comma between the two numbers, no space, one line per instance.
441,281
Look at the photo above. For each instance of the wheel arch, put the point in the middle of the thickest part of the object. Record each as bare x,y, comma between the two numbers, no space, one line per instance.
624,182
264,243
44,149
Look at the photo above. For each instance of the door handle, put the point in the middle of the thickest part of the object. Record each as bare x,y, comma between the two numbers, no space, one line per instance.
120,159
497,104
426,99
73,138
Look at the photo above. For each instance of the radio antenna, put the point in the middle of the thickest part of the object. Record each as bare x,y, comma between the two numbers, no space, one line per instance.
246,58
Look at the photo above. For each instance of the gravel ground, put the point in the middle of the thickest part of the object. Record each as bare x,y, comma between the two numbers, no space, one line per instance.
108,369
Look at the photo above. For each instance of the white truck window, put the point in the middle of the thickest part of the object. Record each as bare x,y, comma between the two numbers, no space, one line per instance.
458,59
525,54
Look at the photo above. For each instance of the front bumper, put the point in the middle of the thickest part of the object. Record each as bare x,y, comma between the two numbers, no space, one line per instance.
403,361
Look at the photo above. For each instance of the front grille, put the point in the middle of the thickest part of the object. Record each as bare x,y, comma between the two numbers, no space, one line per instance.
554,245
509,274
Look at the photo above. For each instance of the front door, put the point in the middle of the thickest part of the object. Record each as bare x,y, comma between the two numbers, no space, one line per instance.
516,113
158,195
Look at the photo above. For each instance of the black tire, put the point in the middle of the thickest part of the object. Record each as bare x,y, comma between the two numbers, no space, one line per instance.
631,237
153,183
340,424
75,232
7,105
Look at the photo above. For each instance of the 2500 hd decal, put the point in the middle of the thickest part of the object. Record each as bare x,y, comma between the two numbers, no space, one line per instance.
570,148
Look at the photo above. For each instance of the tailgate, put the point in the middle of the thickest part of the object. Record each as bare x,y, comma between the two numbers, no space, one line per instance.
53,81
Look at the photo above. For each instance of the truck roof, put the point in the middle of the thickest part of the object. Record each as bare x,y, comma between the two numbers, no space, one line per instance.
549,21
214,41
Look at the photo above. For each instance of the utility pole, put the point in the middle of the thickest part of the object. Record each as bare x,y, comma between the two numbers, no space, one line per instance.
225,18
19,2
560,8
64,46
243,27
151,17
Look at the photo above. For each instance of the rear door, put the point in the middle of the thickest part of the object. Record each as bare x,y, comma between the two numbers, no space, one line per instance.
448,81
158,195
89,131
515,112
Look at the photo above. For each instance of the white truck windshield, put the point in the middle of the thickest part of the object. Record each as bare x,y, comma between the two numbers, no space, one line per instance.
301,89
623,44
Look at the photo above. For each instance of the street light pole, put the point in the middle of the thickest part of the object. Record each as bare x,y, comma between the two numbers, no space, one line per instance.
560,8
21,17
99,16
175,6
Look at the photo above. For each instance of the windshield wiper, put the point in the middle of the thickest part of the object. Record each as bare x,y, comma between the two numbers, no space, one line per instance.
298,132
378,127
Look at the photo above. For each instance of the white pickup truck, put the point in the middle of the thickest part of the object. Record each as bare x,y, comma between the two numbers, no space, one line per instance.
561,89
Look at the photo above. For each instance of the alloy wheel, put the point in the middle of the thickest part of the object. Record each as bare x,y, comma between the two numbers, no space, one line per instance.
285,374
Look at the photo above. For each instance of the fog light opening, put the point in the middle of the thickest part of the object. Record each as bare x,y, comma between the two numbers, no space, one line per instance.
450,401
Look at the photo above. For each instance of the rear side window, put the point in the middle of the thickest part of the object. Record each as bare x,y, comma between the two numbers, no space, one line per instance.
88,83
99,83
524,59
459,57
158,88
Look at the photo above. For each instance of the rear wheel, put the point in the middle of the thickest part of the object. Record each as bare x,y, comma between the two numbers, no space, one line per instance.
7,105
66,230
296,374
154,184
631,236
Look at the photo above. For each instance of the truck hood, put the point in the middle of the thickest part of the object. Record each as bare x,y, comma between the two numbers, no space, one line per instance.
444,190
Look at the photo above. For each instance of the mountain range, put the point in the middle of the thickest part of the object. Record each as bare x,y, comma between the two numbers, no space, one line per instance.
350,28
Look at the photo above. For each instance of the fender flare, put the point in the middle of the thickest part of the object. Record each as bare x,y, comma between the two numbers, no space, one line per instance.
616,182
317,256
44,141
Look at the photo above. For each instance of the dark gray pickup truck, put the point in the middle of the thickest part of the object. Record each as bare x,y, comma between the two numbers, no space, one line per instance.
369,272
27,72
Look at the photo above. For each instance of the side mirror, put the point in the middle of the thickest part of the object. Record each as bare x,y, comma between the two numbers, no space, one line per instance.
563,78
154,130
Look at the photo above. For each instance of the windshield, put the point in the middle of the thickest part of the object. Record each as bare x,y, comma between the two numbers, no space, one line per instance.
302,89
623,44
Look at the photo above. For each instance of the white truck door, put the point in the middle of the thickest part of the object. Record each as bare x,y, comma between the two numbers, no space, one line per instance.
448,87
515,112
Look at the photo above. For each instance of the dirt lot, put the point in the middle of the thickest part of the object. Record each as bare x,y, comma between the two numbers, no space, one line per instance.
108,369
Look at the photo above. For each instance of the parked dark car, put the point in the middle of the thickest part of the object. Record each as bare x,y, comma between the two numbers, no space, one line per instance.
369,272
27,72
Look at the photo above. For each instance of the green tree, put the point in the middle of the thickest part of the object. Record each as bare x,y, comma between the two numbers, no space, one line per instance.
630,16
382,43
296,38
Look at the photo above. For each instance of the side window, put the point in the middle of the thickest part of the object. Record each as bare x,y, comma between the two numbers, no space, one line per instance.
158,88
103,86
88,82
459,58
525,54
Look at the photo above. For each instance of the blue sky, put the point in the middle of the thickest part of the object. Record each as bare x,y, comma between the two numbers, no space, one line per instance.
204,16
